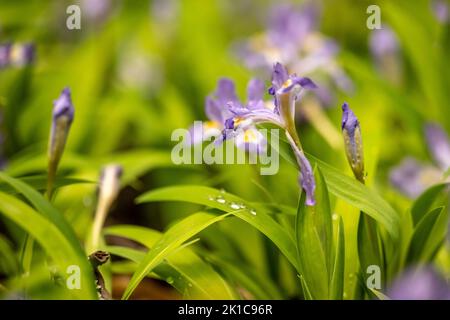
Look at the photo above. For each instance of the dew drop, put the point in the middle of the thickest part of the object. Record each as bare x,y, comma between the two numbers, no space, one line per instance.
242,206
335,216
169,280
211,198
190,285
253,212
235,206
220,200
222,190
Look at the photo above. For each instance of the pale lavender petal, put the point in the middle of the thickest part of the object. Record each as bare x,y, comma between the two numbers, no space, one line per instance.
412,178
438,144
255,90
289,25
226,91
213,110
383,42
420,284
441,10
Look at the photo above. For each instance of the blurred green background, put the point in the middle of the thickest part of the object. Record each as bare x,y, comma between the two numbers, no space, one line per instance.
140,69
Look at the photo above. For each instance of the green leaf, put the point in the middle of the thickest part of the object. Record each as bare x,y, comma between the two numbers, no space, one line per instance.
428,236
337,279
163,271
202,276
306,292
246,276
52,240
314,241
360,196
43,206
258,217
170,242
369,245
40,183
425,201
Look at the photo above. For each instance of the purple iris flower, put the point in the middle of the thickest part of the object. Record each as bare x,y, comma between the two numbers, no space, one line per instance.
420,284
286,90
217,109
292,38
412,177
353,141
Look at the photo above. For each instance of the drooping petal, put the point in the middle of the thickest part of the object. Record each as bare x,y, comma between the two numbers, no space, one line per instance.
420,284
353,141
438,144
306,178
412,178
294,81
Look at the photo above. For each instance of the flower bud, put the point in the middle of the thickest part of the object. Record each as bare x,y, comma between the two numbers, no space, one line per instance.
353,142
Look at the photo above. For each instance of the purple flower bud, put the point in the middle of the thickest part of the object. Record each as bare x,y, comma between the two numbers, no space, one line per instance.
63,107
420,284
353,142
63,113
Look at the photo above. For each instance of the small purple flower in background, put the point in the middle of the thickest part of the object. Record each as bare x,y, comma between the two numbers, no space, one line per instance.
439,145
286,90
292,39
383,42
440,10
16,54
385,49
353,142
218,110
63,112
420,284
412,177
97,10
